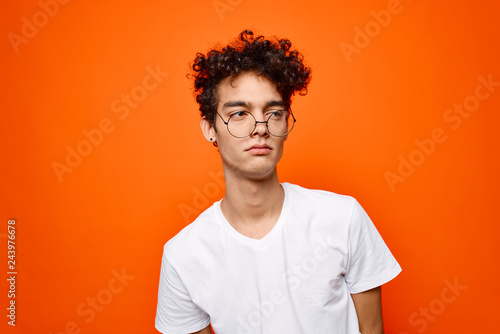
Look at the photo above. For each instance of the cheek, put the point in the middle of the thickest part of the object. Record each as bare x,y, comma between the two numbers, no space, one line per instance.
279,149
228,148
281,143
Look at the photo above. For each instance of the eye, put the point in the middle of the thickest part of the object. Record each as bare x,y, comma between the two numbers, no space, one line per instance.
239,114
276,113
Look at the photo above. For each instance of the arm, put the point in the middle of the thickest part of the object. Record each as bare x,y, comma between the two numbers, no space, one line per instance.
176,310
205,330
368,306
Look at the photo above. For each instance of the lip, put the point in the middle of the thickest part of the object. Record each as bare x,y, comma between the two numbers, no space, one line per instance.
259,149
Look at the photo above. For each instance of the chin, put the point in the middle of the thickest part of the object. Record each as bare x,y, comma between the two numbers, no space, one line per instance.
261,172
256,168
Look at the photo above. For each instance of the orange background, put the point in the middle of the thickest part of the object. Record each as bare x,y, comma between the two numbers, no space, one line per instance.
153,172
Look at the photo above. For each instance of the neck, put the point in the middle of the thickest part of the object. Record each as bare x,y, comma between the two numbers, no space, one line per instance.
252,206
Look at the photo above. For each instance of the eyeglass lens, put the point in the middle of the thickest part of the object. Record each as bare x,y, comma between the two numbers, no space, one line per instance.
242,124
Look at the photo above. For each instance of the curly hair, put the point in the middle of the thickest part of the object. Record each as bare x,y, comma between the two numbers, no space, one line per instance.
271,58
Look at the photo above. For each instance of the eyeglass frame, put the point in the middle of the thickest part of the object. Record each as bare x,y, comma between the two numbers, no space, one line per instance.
257,122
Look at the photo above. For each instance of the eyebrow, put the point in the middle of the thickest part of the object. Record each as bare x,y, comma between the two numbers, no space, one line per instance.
273,103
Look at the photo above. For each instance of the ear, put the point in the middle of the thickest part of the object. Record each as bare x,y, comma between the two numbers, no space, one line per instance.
208,130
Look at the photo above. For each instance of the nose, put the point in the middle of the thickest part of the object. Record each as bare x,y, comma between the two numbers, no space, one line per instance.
260,128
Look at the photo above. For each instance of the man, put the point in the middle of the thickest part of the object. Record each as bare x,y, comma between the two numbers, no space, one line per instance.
269,257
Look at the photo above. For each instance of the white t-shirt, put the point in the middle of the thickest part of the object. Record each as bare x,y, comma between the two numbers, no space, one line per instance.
296,279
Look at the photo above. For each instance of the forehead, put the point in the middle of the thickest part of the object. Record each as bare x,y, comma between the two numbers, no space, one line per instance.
249,88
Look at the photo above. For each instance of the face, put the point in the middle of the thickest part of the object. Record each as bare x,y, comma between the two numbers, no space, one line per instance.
255,156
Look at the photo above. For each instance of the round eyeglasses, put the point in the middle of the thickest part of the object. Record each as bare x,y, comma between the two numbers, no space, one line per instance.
242,124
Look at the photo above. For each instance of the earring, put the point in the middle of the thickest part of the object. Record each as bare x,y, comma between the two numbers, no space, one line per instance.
210,139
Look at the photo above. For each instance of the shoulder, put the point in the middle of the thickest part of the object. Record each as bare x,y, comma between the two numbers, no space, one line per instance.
194,236
320,199
323,211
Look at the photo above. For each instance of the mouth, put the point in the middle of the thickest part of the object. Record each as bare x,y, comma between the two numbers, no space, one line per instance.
259,149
